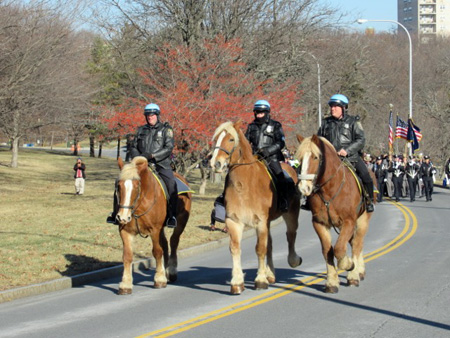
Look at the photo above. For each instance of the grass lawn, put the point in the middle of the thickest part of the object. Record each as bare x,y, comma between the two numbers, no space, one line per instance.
47,231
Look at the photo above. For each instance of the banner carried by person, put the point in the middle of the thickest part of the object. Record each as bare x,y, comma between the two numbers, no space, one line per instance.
414,135
401,130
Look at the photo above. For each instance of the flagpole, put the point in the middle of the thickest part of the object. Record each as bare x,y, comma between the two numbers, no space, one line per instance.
396,138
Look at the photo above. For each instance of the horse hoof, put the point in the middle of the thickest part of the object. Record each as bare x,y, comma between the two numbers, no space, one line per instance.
126,291
271,280
331,289
353,282
172,278
362,276
159,285
237,289
294,263
261,285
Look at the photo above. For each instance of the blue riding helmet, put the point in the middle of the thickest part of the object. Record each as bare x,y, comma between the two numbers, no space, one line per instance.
340,100
261,106
151,109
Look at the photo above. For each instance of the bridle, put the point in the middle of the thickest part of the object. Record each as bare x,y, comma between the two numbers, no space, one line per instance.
230,153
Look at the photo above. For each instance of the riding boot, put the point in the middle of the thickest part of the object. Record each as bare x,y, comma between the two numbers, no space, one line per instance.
172,211
112,218
369,198
283,186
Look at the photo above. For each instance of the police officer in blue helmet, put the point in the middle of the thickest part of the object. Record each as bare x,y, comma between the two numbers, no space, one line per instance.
346,134
154,140
267,139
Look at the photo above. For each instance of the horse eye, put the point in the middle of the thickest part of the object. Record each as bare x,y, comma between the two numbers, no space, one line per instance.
231,139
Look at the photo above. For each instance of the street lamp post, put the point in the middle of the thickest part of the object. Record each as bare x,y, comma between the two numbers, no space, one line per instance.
318,86
361,21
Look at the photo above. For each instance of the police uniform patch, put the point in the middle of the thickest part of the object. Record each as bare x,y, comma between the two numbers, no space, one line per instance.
269,129
169,132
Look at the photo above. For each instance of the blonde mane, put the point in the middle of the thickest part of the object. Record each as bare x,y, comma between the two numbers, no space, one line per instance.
229,128
129,171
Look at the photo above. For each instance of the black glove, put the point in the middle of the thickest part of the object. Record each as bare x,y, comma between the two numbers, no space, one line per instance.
263,152
148,156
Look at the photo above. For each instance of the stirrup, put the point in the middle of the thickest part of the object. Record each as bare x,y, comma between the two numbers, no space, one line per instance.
112,220
370,207
171,222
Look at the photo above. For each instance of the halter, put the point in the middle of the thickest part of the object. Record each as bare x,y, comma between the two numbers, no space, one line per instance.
135,200
229,153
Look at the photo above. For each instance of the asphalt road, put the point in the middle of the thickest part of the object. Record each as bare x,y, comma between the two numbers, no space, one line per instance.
405,294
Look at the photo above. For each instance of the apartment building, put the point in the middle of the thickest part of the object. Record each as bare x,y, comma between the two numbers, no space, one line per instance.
427,18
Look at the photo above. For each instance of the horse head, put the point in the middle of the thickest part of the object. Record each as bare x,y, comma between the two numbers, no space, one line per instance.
310,156
129,187
225,139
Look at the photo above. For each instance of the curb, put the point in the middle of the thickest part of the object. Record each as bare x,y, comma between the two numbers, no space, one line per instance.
115,271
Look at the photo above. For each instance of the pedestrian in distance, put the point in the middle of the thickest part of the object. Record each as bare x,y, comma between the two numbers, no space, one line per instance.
427,170
80,176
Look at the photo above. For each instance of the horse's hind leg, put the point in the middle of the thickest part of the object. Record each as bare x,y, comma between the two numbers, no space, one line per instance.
126,285
160,278
262,234
172,265
270,269
332,283
237,275
357,243
291,220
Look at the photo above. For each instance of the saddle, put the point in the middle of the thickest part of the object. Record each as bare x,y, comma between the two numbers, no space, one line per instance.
182,187
290,185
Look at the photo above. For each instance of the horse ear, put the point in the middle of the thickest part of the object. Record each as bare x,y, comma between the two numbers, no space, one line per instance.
315,139
142,165
238,124
120,163
300,138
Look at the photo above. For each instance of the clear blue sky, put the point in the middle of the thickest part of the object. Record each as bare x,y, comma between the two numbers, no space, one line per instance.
368,9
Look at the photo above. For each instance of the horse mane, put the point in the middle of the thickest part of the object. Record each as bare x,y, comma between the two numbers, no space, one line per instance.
312,144
229,128
130,171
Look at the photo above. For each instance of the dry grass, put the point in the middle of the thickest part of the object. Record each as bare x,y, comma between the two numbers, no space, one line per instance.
46,231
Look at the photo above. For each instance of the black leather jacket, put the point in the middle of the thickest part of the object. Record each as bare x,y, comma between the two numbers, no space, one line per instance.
156,143
346,133
268,135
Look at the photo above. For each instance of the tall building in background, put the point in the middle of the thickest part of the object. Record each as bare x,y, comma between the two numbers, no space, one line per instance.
425,18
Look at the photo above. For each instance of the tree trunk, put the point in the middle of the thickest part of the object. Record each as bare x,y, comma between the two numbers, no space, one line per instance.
75,147
100,146
15,151
91,146
204,177
118,148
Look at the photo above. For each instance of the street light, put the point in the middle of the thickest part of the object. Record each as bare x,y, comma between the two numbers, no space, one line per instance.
318,86
361,21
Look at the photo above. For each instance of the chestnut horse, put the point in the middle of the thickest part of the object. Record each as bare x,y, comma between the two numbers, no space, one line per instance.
251,199
335,198
142,210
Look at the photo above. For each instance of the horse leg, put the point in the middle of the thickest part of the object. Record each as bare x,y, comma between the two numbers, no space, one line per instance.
270,269
357,243
332,283
291,219
262,234
171,270
160,279
126,285
344,262
237,276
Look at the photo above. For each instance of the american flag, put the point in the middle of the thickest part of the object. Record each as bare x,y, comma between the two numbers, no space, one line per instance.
401,131
391,129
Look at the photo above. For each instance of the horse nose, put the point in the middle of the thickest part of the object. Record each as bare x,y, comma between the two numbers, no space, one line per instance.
123,220
305,188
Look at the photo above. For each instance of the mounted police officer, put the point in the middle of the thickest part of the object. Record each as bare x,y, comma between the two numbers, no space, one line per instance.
346,134
266,137
412,174
155,141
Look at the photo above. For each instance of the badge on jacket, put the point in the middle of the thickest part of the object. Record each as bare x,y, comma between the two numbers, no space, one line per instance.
169,133
269,129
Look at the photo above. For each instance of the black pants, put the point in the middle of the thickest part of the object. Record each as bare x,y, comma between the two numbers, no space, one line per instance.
412,183
380,186
362,171
398,185
428,186
169,180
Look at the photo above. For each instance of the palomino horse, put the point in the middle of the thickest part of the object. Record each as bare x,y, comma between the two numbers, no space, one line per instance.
336,201
251,199
142,210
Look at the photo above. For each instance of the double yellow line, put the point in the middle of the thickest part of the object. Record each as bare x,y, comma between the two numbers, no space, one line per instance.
408,231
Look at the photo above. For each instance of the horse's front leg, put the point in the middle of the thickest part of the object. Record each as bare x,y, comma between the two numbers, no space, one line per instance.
172,266
291,219
160,274
332,283
262,233
237,276
344,261
126,285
